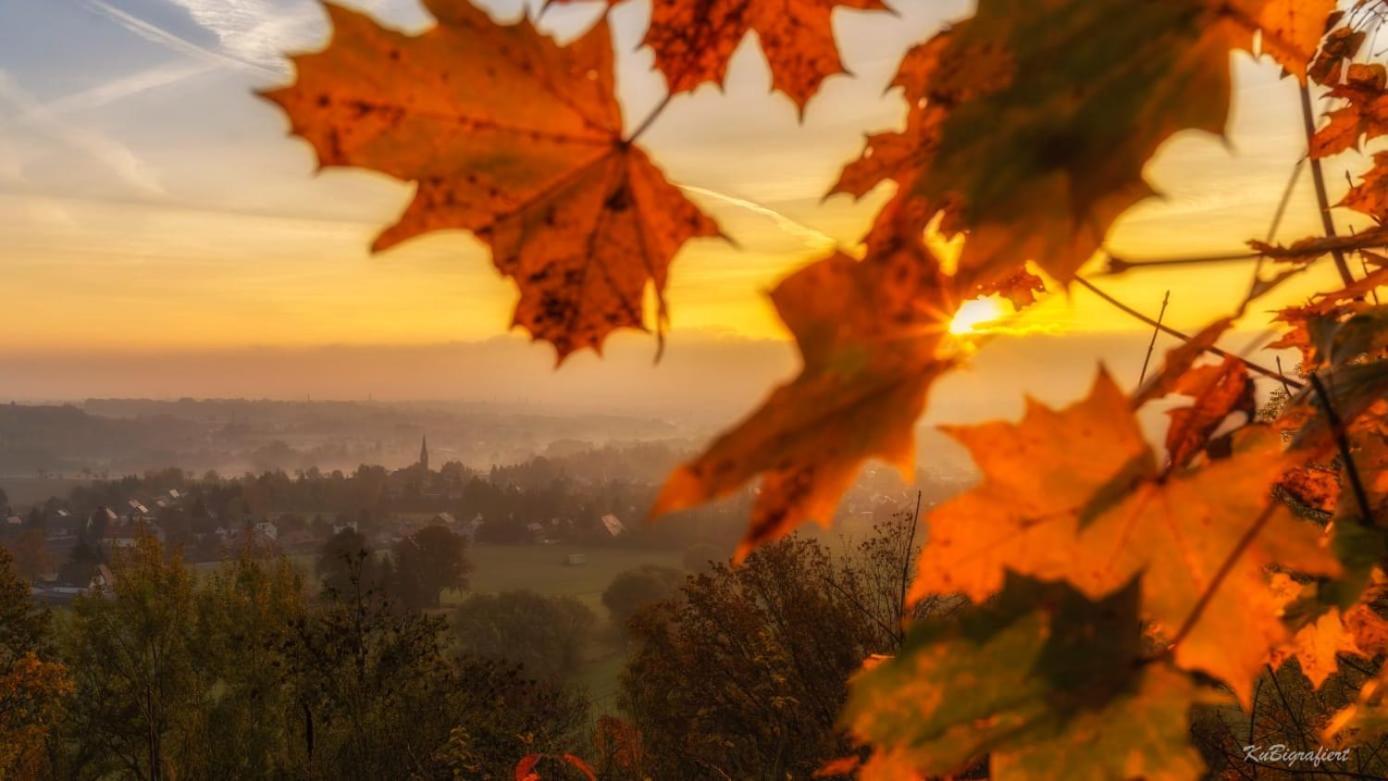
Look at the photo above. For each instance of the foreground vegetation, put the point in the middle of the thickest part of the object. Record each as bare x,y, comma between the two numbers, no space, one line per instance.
250,671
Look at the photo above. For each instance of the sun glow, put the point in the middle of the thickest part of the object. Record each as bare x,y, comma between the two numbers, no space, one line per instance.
974,316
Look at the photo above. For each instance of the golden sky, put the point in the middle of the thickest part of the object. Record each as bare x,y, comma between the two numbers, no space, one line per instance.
148,202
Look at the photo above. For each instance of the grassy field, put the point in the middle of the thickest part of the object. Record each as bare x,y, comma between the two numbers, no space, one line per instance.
542,569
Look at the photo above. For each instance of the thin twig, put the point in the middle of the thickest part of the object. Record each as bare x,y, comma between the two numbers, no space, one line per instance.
1147,361
1258,287
1375,239
906,570
1337,430
1118,264
1308,118
1364,264
1263,370
1283,377
1286,199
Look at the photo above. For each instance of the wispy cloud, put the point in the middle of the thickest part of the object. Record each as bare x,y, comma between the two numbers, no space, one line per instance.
100,148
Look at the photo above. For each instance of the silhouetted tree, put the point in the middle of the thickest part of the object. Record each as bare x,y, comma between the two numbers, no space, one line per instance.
428,562
344,557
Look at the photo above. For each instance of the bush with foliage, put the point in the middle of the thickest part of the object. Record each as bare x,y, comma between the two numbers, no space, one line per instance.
546,635
34,684
743,675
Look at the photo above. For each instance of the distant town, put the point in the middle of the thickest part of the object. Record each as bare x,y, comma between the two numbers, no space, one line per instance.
576,493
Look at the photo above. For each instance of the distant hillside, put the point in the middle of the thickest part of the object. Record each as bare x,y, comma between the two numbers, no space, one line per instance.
123,436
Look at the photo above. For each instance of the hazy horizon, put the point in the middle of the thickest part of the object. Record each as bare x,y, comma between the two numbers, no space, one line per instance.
510,372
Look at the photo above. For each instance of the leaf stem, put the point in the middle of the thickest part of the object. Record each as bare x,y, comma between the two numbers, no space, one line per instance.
1263,370
1308,119
1285,200
650,118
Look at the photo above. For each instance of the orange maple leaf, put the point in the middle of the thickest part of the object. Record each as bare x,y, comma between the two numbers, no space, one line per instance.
1005,138
1181,531
1358,631
1289,31
1367,629
868,333
1217,395
1337,50
1020,288
1316,645
1370,195
1075,495
1317,487
1369,434
693,41
1333,304
1052,150
1176,371
1364,115
1025,514
512,137
933,77
841,766
1037,143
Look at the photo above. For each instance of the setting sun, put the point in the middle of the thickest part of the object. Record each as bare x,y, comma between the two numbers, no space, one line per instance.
974,314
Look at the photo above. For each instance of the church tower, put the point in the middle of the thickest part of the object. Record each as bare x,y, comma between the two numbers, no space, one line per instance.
424,454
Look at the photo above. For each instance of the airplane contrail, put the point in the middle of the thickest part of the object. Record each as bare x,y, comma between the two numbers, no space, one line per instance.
159,35
106,151
126,87
810,235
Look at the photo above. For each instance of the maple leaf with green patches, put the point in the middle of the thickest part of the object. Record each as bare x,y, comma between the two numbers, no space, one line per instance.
1078,97
1046,682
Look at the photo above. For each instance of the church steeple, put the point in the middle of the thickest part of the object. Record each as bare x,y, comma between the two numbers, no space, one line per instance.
424,453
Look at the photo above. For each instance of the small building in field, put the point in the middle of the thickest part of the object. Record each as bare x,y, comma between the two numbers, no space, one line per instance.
613,525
